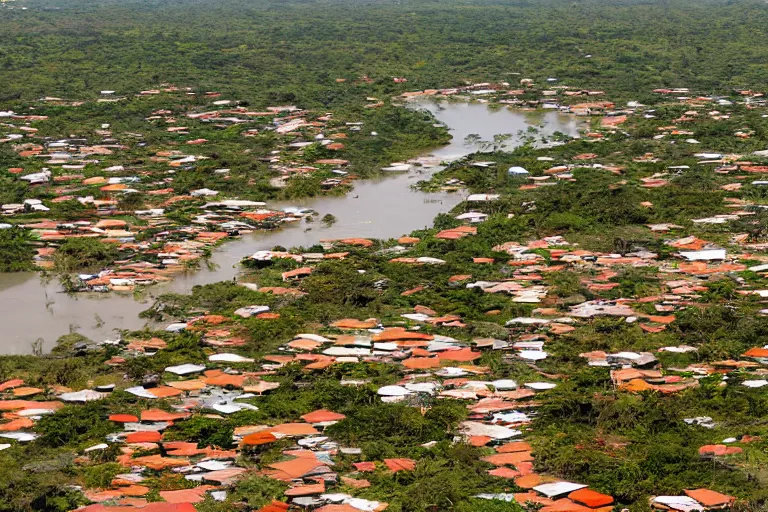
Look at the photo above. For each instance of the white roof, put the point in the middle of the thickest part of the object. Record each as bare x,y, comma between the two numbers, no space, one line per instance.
471,215
393,391
430,261
85,395
474,428
712,254
184,369
684,503
540,386
313,337
249,311
511,417
483,197
532,355
140,392
21,437
528,321
346,351
504,384
230,358
203,192
557,488
421,387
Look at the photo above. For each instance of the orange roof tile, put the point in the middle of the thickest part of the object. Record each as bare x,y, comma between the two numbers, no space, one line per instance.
150,507
719,449
123,418
293,429
164,392
351,323
134,490
400,464
528,481
504,459
399,333
338,508
756,352
355,483
18,424
464,355
224,380
195,495
187,385
297,467
306,490
479,440
158,462
421,363
515,446
565,505
709,498
144,437
365,467
322,415
10,384
14,405
160,415
363,242
503,472
224,476
590,498
259,438
301,344
275,506
24,391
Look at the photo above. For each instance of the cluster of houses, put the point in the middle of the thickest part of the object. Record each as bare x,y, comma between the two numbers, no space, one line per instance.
127,188
431,351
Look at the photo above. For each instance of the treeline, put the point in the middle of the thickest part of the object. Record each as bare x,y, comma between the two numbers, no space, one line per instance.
285,51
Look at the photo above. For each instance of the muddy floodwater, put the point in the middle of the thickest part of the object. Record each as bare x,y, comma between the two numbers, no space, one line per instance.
385,207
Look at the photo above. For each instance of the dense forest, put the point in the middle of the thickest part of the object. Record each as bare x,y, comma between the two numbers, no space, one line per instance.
281,50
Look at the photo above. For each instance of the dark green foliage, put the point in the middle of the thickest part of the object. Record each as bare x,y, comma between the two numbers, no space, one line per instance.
203,431
75,425
23,490
631,446
446,478
340,283
302,47
257,491
477,505
15,252
398,425
84,253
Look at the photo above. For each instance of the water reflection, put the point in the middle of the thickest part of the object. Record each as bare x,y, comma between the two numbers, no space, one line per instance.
380,208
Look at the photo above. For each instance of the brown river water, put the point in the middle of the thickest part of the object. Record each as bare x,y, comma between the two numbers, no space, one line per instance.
384,207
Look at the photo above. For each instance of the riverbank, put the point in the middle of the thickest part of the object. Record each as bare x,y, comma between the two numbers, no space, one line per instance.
383,207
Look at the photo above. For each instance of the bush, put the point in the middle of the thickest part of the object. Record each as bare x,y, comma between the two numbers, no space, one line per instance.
566,221
84,253
74,425
203,431
15,252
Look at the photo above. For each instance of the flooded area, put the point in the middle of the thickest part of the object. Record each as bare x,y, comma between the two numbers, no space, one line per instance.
379,208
